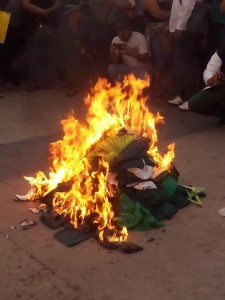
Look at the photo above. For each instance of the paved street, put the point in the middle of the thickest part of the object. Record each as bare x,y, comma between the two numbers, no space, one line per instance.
184,262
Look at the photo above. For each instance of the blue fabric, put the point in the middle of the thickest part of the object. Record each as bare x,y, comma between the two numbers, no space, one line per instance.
216,15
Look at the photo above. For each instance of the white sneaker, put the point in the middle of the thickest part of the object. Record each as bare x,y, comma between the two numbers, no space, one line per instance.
176,101
184,106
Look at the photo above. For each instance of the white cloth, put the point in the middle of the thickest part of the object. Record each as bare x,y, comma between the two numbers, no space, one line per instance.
145,185
136,41
212,68
144,173
180,13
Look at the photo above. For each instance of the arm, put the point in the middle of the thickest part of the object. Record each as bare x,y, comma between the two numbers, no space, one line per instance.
212,71
114,54
133,52
117,4
54,7
222,6
153,7
180,14
31,7
142,57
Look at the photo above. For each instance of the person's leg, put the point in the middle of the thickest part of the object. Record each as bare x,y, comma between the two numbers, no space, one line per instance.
209,102
140,72
34,59
182,66
118,71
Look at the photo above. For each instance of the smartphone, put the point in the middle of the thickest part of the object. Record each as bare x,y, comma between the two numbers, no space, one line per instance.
120,47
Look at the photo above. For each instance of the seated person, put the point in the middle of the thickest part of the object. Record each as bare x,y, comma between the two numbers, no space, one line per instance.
210,101
128,52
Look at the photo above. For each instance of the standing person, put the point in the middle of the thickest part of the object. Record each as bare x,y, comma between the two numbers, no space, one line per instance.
137,18
97,28
187,49
128,52
157,14
42,20
222,6
210,101
1,94
217,27
14,42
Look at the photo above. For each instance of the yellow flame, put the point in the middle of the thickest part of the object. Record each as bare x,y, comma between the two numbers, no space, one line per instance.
110,108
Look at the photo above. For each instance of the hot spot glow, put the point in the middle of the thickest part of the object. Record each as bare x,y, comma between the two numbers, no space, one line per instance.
110,108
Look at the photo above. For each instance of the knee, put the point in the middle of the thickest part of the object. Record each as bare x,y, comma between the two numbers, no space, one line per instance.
112,71
197,103
193,103
111,68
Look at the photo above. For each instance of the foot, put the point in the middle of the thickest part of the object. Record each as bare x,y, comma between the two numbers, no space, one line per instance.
184,106
176,101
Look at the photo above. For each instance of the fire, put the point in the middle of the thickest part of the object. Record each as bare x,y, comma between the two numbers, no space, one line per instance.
110,108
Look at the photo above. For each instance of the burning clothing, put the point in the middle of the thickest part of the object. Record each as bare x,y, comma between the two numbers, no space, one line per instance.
134,216
83,157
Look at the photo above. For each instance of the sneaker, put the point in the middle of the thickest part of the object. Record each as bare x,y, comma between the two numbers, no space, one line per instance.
184,106
176,101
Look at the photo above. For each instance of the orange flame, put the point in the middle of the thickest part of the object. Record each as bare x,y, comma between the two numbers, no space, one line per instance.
110,108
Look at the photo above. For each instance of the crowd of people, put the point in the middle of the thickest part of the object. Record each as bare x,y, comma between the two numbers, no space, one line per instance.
67,43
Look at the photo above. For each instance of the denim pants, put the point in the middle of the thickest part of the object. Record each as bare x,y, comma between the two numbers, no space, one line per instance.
118,71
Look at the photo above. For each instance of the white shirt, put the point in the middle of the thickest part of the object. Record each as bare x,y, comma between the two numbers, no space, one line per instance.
180,13
212,68
136,41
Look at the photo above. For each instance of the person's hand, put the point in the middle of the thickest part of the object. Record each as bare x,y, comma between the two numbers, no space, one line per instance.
215,79
115,49
129,51
45,13
177,34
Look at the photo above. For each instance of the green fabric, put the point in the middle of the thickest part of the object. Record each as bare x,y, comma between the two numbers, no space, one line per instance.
169,186
209,101
193,195
164,211
134,215
216,15
179,198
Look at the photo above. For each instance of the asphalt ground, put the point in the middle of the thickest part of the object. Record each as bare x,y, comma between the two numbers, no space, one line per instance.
183,262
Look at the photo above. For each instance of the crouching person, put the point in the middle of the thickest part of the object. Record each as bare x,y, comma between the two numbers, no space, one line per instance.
211,100
129,53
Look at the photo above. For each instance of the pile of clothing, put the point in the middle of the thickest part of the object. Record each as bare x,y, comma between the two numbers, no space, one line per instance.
146,195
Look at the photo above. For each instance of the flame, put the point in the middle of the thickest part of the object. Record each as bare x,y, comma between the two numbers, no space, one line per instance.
110,108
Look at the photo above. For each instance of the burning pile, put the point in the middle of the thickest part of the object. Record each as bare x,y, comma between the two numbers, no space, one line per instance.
110,158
